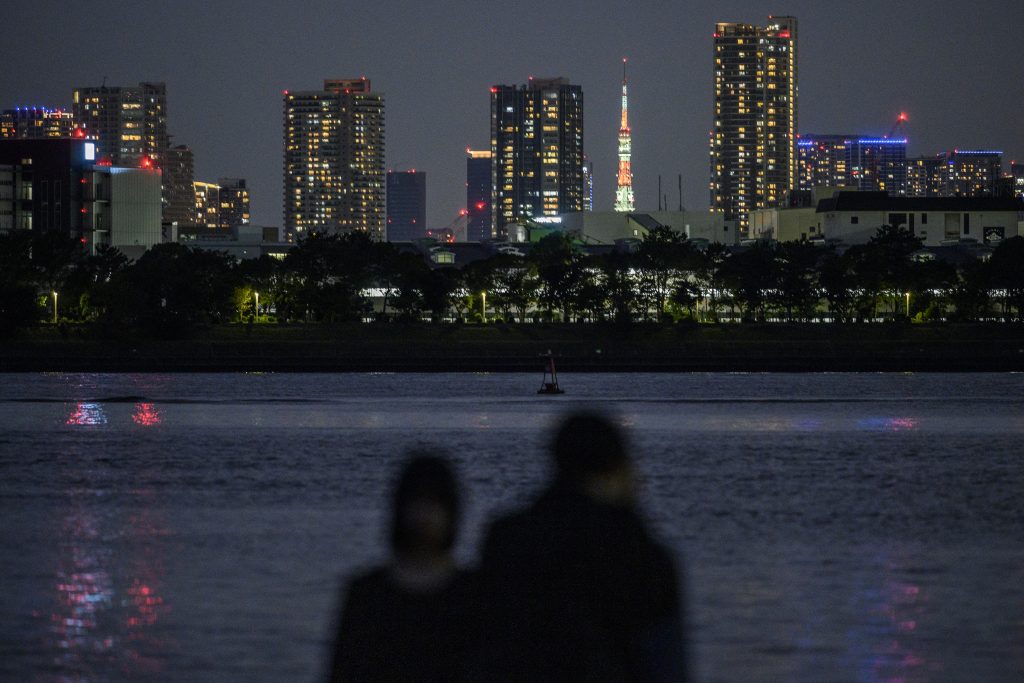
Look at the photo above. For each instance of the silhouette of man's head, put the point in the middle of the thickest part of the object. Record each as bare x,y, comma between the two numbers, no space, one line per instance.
426,508
590,454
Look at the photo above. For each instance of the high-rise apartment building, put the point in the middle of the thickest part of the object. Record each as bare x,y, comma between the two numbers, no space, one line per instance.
207,199
869,164
753,143
179,200
879,164
536,151
971,172
33,123
588,184
407,205
334,159
127,122
925,177
822,161
234,202
478,195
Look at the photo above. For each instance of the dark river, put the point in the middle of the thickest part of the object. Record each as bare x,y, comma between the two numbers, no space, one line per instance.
195,527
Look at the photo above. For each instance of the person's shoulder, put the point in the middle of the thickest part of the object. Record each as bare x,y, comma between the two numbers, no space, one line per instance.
369,576
508,524
506,536
367,582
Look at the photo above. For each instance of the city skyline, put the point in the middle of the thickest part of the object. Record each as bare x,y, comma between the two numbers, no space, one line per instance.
671,83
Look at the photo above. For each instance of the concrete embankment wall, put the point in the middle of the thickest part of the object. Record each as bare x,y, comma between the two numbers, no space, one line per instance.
495,348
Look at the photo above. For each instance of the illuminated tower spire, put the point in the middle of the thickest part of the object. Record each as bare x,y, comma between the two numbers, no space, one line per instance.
624,187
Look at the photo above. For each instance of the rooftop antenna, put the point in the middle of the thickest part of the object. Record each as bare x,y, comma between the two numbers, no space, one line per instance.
104,82
680,193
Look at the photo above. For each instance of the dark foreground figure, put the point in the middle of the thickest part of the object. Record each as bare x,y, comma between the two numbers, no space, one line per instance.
575,586
410,620
572,588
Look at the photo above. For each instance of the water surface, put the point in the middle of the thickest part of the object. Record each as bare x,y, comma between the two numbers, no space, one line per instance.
195,527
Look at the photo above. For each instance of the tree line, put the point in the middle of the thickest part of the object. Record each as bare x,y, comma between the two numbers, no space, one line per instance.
174,289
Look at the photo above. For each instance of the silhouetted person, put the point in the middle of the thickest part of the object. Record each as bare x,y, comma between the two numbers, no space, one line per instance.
404,621
578,589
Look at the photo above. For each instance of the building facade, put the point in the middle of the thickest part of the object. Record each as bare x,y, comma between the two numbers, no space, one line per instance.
868,164
179,192
334,159
57,185
924,176
478,195
234,202
588,184
971,172
1017,173
32,123
823,161
240,241
127,122
407,205
855,217
753,141
879,164
536,151
608,227
207,201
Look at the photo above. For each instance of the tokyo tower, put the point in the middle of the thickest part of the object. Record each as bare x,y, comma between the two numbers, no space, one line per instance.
624,187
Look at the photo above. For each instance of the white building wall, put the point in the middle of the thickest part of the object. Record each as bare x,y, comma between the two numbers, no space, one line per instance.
785,225
134,208
930,226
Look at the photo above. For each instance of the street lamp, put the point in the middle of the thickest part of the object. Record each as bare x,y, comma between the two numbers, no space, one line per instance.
54,308
483,306
908,304
257,306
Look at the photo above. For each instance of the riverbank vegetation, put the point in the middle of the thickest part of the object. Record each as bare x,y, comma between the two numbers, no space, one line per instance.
173,291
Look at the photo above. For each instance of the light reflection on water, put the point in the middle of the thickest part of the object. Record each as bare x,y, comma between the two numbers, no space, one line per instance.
146,414
109,589
87,414
888,424
171,519
896,607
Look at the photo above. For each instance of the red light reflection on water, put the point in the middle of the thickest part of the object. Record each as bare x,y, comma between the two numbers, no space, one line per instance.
900,607
109,596
888,424
85,593
147,605
87,414
146,415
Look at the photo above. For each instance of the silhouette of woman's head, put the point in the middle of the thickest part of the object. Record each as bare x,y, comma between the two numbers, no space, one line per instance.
426,508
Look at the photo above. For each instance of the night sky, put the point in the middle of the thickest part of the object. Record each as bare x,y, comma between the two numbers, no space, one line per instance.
955,67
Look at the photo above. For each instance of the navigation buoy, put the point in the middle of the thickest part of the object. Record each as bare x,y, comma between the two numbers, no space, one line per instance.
546,386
